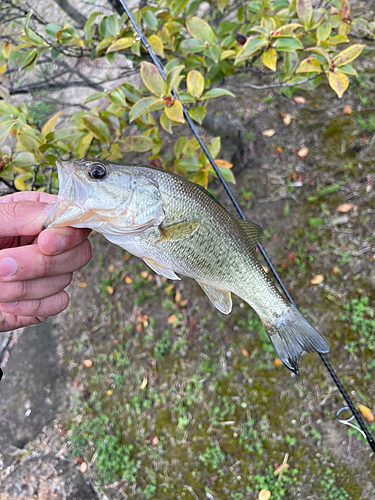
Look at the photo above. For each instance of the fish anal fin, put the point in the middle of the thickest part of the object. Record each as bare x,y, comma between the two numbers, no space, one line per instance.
221,299
252,231
179,231
161,269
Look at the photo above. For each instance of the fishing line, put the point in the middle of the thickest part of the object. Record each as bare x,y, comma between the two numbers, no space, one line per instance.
327,364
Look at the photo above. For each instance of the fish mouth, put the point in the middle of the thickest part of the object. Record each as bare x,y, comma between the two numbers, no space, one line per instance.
69,208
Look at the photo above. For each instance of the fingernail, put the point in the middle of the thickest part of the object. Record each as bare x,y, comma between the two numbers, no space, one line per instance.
56,244
8,267
8,305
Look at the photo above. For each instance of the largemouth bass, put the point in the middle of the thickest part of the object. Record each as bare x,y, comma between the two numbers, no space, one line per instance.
177,227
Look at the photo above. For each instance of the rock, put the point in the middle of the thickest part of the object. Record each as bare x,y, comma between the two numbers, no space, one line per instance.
32,390
46,478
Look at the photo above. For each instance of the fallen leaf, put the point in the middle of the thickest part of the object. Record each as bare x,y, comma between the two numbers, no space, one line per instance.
111,268
366,412
83,467
277,362
128,280
87,363
169,289
245,352
82,285
178,297
345,207
109,392
269,132
144,383
144,274
299,100
172,319
78,460
127,256
110,290
155,441
303,152
347,110
264,495
335,270
281,467
319,278
279,149
286,119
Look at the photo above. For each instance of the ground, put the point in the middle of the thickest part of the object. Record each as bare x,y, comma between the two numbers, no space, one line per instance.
169,399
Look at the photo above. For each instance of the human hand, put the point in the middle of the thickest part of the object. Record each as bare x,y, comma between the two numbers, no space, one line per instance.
35,265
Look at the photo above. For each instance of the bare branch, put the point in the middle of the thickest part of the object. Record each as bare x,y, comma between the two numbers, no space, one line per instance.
72,12
273,86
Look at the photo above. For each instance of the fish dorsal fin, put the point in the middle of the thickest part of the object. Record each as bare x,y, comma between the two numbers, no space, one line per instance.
252,231
221,299
179,231
161,269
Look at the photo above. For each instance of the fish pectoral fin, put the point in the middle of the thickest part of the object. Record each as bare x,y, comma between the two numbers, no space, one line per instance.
252,231
221,299
179,231
161,269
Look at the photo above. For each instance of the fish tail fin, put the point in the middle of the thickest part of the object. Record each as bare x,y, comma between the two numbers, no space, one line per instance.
291,334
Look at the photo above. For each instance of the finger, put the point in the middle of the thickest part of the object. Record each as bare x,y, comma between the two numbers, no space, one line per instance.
22,218
35,196
10,322
58,240
26,263
34,289
49,306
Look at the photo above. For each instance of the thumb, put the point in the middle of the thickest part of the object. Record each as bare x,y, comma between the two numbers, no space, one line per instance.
22,218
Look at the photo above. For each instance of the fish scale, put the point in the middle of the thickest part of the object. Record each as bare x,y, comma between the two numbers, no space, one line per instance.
177,227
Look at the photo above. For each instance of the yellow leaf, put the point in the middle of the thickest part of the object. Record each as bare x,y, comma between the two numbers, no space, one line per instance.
245,352
269,132
338,82
220,163
19,184
348,55
175,112
195,83
172,319
277,362
83,467
178,297
303,152
269,58
157,45
110,290
347,110
109,392
128,280
121,44
82,285
366,412
299,100
319,278
144,274
169,289
87,363
144,383
287,119
345,207
264,495
111,268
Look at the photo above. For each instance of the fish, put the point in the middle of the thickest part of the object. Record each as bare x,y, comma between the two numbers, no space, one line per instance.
178,228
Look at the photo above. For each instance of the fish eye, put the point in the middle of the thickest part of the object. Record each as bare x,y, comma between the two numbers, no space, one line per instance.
97,171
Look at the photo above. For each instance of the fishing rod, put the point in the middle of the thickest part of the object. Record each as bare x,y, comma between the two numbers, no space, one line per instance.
355,413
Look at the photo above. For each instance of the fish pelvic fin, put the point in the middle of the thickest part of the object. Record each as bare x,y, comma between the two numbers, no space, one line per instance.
291,334
221,299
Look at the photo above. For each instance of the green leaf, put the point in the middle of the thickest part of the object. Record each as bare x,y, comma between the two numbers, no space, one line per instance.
95,125
338,81
214,146
166,123
189,164
89,23
130,92
177,6
195,83
5,129
94,97
156,45
108,26
198,114
290,63
225,172
193,45
118,98
52,29
152,79
143,106
287,43
173,76
323,31
150,20
121,44
348,55
309,65
336,40
210,94
175,112
322,52
24,159
348,70
304,12
251,46
186,98
317,18
316,221
27,58
103,45
198,28
28,142
269,58
179,146
139,144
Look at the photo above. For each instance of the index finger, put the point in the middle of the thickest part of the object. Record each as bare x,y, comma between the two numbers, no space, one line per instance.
22,218
29,196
